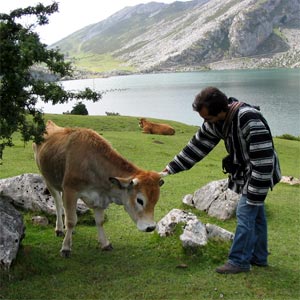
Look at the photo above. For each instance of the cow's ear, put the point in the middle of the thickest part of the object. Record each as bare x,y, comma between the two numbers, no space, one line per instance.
121,183
133,183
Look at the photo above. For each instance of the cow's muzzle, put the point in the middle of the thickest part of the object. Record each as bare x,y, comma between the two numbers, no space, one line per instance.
150,228
146,226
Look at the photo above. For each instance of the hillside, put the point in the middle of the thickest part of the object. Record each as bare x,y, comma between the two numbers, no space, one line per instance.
190,35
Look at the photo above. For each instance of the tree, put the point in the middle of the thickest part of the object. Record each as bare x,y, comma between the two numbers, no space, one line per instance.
79,109
20,50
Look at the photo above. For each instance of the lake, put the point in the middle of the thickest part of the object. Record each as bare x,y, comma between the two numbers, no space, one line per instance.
169,96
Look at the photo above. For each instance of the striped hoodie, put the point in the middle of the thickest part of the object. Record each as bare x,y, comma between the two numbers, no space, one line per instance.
249,142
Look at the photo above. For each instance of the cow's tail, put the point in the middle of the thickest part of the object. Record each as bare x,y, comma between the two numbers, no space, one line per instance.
35,150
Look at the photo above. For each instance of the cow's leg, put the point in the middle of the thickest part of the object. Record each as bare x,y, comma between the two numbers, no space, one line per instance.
146,129
59,228
99,218
70,203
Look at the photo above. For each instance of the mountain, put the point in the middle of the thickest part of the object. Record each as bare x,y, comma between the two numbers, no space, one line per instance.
190,35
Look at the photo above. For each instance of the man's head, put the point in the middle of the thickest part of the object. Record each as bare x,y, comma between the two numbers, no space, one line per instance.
211,104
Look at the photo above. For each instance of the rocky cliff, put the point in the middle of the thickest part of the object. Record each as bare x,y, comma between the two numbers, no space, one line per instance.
195,34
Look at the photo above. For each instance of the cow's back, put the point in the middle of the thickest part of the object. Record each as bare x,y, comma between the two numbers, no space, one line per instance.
156,128
78,156
163,129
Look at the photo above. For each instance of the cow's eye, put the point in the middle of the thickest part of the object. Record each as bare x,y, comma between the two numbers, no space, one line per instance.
140,201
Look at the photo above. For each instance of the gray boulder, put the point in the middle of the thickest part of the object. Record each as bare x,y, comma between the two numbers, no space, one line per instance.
216,199
12,231
29,192
40,221
195,233
188,200
219,233
290,180
167,224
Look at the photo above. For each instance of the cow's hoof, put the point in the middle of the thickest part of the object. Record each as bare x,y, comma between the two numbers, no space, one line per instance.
59,233
109,247
65,253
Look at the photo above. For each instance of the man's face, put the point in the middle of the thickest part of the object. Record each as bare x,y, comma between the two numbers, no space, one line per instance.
209,118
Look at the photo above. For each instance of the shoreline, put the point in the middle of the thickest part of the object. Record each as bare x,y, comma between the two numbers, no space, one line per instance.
283,60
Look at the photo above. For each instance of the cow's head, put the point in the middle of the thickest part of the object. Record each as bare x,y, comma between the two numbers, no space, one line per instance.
139,195
142,122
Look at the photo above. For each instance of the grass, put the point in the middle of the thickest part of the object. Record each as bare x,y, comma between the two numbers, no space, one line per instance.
142,265
100,63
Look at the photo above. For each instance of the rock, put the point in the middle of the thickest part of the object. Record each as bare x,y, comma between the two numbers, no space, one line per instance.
217,232
290,180
29,192
182,266
224,207
188,200
167,224
249,29
41,221
216,199
204,197
12,231
194,234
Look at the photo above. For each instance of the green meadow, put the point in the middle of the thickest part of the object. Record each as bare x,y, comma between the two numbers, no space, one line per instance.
144,265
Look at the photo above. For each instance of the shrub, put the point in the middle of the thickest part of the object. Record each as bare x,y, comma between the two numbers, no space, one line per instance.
111,113
289,137
79,109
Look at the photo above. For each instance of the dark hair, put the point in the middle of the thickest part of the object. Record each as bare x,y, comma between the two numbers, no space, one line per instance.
213,99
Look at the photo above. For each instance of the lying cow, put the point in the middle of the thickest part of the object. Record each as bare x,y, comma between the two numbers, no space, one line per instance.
79,163
156,128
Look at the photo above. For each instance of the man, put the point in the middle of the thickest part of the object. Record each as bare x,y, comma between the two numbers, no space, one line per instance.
252,164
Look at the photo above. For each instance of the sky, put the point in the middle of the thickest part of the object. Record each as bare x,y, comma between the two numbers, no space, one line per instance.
72,15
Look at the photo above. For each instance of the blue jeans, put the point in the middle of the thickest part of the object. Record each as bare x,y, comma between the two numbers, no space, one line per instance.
250,240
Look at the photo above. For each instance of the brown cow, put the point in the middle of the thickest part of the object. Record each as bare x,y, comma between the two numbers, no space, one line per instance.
156,128
79,163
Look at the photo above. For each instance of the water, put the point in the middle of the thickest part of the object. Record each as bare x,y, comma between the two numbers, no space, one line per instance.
170,95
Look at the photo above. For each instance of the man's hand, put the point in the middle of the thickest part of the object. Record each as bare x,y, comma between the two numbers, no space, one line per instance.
164,173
